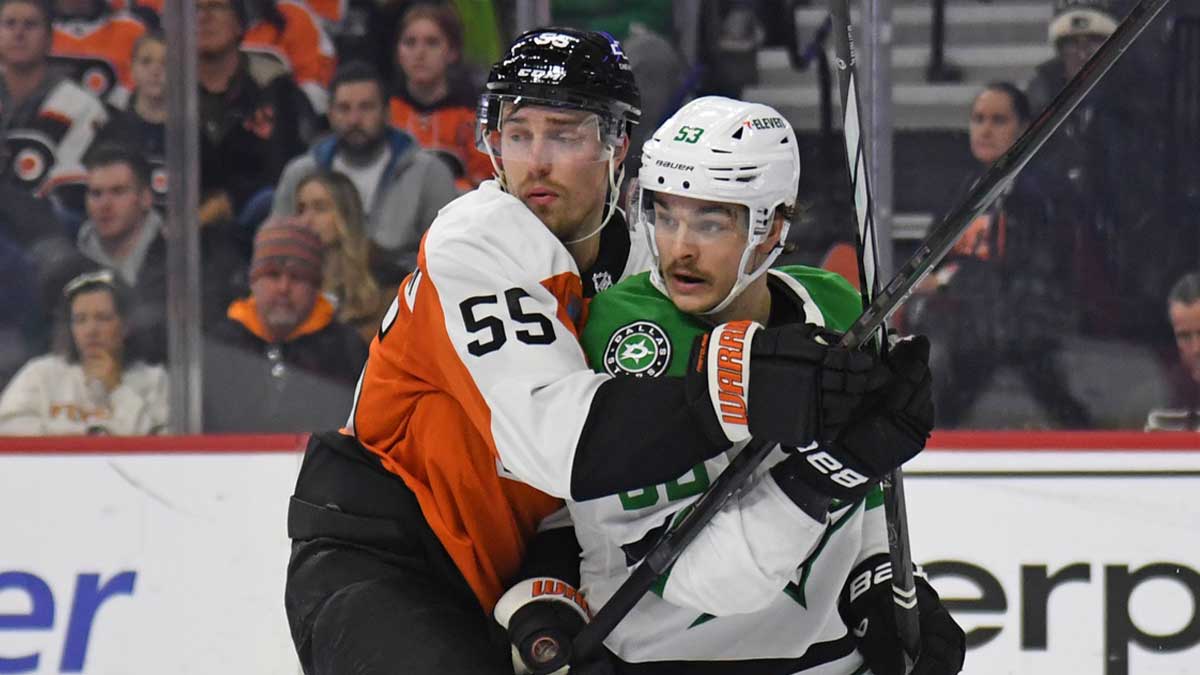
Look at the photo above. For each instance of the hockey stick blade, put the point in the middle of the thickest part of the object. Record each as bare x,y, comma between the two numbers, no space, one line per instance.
939,242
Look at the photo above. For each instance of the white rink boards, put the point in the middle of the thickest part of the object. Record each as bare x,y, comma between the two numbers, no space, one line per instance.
122,557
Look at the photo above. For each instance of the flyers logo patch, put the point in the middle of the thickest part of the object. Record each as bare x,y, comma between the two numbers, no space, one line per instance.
97,81
31,160
640,349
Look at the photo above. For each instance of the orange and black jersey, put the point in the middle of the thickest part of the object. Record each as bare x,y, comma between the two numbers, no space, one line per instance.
98,52
448,129
478,395
300,44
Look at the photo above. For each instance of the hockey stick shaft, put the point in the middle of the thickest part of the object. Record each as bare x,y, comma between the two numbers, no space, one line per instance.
903,587
942,237
932,250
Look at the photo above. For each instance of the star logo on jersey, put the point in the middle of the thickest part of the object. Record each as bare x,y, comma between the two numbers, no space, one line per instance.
640,349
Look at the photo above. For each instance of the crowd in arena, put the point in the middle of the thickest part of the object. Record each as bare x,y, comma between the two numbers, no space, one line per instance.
332,132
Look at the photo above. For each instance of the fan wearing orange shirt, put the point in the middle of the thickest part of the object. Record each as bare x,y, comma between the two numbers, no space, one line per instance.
434,102
292,33
96,46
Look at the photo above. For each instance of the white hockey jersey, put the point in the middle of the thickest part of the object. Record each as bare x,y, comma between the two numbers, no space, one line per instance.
762,580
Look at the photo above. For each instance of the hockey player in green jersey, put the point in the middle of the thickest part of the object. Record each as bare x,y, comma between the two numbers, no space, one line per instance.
793,575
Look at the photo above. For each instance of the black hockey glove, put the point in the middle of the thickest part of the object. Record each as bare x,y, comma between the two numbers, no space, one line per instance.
789,384
867,608
889,428
538,614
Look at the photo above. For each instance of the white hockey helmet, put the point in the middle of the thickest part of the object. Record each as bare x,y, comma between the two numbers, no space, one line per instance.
722,150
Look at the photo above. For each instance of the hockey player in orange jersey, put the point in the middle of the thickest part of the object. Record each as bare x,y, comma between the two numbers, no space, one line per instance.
477,412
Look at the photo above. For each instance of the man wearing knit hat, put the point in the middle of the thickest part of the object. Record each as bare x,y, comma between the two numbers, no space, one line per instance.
280,361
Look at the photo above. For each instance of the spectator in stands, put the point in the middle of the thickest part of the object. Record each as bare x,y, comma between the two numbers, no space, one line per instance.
125,234
998,298
435,102
291,33
142,124
95,383
122,227
1183,409
47,121
401,185
328,203
1077,30
1107,160
96,45
280,361
253,116
39,257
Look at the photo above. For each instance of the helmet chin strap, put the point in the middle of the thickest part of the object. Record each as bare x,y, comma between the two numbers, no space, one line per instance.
610,207
744,279
495,165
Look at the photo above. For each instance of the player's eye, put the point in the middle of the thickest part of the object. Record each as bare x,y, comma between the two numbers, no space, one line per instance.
711,226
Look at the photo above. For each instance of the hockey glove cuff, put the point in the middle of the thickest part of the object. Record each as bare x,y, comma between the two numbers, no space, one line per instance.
718,380
542,616
889,427
867,607
789,384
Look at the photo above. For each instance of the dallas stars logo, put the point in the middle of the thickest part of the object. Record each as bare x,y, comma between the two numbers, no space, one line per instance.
640,348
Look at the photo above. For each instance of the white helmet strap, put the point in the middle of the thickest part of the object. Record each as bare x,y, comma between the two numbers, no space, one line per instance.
615,178
745,278
610,206
495,165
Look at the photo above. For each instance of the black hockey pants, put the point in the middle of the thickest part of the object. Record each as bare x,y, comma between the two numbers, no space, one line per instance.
370,589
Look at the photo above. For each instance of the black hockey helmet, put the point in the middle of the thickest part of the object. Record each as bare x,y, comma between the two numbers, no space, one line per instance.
569,68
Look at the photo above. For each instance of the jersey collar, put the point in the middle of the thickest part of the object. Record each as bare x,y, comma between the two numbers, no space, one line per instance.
611,260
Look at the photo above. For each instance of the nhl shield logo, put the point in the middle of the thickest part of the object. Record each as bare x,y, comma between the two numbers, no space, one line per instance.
640,349
602,281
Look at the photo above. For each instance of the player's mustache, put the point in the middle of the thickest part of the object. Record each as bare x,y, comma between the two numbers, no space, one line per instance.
684,270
